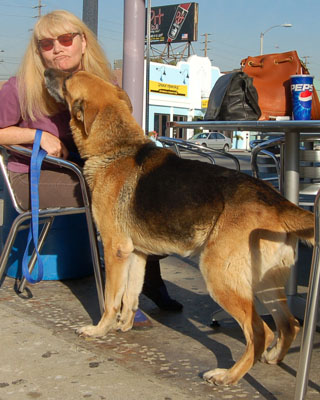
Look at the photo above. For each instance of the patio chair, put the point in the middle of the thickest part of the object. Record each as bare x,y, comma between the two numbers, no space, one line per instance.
263,156
180,147
46,218
311,313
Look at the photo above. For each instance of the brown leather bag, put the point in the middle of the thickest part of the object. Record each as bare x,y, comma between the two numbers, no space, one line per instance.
271,77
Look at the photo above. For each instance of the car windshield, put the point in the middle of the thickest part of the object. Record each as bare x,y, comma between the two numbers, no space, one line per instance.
200,136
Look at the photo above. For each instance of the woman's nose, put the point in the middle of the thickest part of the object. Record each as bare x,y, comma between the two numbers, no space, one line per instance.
56,46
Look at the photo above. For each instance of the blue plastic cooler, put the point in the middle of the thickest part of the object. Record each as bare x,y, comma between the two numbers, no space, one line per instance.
66,251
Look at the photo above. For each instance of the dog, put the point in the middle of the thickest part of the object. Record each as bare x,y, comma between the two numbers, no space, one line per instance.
146,200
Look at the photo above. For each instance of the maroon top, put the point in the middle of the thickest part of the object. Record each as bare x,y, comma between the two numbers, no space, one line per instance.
10,115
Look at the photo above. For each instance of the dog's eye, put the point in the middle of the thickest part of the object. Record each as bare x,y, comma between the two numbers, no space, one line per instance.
79,115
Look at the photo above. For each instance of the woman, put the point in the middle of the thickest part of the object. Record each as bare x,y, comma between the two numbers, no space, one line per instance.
62,41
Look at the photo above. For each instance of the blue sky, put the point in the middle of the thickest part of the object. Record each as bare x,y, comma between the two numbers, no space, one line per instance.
234,28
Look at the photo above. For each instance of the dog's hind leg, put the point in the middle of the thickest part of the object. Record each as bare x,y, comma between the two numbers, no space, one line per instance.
229,286
117,253
274,298
130,300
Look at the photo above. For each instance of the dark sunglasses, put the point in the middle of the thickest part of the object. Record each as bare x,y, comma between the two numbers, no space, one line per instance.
65,40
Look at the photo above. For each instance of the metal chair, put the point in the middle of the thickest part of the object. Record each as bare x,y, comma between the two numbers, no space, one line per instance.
46,218
266,162
311,312
179,146
309,170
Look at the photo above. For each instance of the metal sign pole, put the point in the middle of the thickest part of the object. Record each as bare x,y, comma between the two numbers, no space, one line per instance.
133,54
148,68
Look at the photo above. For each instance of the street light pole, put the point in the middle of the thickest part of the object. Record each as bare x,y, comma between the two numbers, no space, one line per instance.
263,33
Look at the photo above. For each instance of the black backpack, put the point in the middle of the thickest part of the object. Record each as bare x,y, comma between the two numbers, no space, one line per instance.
233,98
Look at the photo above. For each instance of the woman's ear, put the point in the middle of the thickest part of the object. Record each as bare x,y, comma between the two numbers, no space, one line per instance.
84,43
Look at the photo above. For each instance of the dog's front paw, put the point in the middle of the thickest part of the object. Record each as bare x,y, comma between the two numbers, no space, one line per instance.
219,376
90,331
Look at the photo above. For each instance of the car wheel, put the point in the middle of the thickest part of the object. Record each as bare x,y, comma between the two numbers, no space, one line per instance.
226,148
204,144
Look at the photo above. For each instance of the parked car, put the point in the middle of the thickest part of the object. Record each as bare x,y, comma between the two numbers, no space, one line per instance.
214,140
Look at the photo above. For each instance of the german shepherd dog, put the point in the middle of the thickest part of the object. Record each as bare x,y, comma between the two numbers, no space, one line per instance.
146,200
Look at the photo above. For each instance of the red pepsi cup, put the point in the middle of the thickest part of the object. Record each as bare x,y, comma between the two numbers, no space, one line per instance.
301,91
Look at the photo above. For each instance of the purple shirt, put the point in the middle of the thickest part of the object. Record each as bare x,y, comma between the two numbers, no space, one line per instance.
10,115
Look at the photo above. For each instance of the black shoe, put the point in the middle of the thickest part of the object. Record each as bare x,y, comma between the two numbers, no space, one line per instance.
160,296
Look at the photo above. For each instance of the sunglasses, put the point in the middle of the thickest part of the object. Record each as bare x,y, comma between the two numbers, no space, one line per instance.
65,40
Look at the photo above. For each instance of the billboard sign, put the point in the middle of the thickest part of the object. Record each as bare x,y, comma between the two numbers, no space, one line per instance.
175,23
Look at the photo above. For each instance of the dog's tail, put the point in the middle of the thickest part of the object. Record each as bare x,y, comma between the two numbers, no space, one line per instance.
299,222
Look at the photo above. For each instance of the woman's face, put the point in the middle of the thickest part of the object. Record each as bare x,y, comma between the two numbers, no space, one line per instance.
65,58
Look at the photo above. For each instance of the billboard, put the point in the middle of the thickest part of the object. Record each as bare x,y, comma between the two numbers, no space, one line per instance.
174,23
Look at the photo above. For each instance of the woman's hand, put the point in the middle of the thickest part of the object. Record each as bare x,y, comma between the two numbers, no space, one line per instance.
53,146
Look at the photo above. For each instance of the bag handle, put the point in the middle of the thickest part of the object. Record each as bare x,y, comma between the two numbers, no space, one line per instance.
260,64
35,169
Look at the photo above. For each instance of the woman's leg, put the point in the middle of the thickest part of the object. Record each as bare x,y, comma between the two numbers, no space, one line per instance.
56,189
155,289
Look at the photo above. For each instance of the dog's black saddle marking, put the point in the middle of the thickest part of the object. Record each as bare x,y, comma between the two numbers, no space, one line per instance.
145,152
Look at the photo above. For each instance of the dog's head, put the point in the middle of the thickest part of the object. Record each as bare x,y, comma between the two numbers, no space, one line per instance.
96,106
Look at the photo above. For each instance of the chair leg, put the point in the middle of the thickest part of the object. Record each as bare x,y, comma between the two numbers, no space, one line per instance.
33,258
8,245
95,259
309,326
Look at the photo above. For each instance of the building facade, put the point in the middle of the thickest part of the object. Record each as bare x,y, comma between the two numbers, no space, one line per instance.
179,93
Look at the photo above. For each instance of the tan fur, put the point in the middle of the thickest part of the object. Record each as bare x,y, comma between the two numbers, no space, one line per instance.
245,232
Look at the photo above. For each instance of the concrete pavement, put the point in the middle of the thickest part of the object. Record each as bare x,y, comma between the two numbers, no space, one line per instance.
42,357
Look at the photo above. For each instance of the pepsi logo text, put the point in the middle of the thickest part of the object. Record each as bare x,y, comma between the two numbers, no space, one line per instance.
298,87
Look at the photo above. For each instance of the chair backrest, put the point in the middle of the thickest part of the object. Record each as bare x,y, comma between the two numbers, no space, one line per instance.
266,160
6,180
180,146
309,170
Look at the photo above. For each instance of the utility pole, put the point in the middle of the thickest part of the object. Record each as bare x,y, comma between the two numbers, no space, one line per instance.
90,14
39,6
306,62
206,41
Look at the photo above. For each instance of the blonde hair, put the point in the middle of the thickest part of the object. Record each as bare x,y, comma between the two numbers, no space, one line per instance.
34,99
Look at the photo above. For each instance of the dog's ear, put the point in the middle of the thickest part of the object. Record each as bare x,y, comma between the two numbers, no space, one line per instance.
84,114
122,94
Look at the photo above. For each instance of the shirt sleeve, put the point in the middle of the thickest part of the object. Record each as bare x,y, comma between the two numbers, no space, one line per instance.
9,104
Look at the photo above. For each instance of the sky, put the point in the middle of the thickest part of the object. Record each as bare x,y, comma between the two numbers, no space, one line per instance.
233,28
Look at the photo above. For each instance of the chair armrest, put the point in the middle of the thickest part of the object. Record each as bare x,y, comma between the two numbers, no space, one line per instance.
60,162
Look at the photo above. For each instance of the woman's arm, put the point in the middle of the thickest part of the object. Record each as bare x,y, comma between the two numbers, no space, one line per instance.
50,143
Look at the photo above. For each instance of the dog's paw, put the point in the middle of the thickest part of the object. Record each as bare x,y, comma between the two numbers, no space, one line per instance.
271,356
90,331
126,326
219,376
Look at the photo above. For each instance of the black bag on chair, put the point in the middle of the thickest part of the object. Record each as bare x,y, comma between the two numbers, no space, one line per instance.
233,98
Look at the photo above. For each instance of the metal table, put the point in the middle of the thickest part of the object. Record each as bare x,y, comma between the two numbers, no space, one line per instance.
293,131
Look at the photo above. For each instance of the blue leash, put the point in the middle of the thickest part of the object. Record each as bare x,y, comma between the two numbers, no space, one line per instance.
35,169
